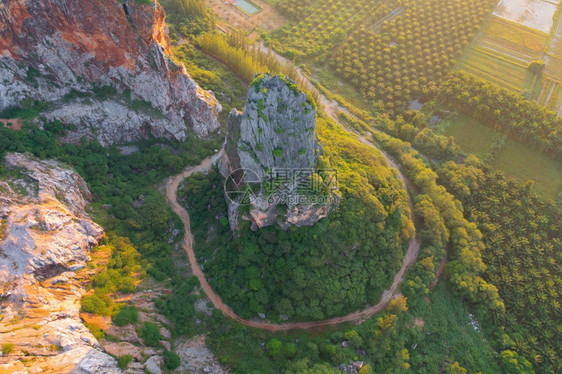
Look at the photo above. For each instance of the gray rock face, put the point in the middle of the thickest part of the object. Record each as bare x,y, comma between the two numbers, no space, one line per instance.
278,128
154,364
46,229
196,358
45,239
274,141
53,48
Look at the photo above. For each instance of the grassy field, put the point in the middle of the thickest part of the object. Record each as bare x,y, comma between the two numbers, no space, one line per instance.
525,164
470,135
516,34
514,159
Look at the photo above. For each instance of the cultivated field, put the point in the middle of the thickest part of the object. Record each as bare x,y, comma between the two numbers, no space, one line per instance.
518,33
391,51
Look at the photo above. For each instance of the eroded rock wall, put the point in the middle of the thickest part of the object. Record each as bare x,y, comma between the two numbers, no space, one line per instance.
52,49
45,240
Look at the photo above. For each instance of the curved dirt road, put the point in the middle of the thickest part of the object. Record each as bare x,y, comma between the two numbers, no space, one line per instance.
331,107
358,317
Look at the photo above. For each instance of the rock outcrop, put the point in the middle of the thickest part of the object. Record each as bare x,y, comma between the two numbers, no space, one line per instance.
196,358
271,158
45,238
67,53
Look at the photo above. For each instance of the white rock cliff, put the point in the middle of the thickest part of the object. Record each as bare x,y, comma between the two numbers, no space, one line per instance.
45,238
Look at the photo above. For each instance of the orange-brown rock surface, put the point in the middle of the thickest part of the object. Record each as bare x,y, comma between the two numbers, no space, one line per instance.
53,48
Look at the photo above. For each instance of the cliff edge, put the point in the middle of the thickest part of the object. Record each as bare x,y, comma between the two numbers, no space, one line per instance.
102,65
45,239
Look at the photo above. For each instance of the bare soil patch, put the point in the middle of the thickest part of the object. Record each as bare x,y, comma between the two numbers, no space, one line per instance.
537,14
16,123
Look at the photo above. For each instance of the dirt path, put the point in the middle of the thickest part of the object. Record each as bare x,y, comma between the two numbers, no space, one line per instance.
439,271
355,318
552,87
331,108
358,317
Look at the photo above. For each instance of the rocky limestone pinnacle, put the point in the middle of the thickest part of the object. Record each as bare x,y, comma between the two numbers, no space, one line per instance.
274,142
64,53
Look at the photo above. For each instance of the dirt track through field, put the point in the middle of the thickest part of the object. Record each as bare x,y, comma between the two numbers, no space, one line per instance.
331,107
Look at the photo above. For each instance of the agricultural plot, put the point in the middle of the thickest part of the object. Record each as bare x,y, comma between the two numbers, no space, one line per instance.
502,53
391,51
318,29
495,68
246,15
537,14
553,56
518,33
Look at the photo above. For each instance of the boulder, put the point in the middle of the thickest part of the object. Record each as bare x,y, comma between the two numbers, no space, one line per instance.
154,364
121,349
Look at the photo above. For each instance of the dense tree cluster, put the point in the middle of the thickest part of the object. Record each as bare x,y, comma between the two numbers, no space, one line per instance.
419,339
188,18
412,126
504,110
337,266
444,226
523,246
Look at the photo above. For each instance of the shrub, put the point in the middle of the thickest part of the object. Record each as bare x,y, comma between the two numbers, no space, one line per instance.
126,315
126,284
7,348
123,361
289,350
93,304
150,334
171,360
274,347
536,67
96,331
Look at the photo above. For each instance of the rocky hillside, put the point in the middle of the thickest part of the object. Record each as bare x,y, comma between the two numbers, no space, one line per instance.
103,65
45,238
272,147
